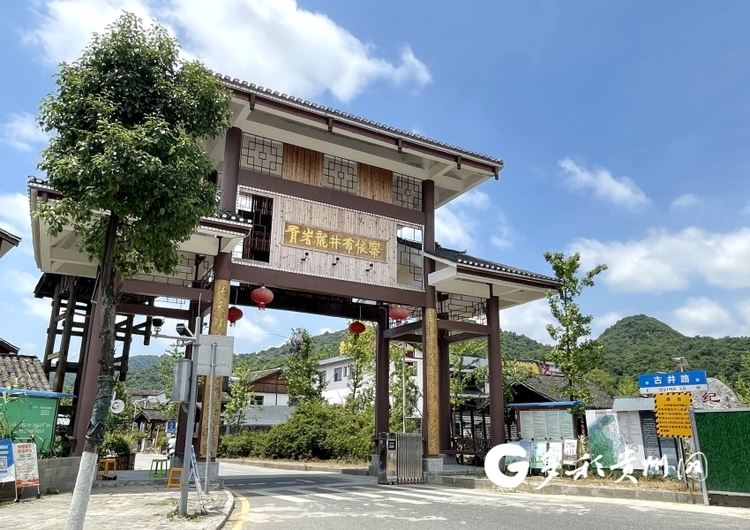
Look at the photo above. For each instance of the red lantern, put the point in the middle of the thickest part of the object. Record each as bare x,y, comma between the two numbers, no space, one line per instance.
233,315
399,314
356,328
262,297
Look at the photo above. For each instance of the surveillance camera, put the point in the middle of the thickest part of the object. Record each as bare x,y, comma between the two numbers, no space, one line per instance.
183,331
157,322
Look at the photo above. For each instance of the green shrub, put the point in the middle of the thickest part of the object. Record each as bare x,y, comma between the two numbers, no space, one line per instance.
243,444
116,444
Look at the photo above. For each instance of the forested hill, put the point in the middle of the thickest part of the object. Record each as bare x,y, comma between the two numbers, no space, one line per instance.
642,344
635,345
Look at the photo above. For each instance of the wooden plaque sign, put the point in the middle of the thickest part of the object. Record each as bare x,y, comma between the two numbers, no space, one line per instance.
309,237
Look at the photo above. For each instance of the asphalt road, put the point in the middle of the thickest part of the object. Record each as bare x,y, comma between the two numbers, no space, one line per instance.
291,500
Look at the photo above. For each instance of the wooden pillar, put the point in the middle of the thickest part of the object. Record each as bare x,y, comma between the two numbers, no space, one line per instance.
62,354
52,328
444,378
89,373
218,326
231,169
431,412
495,362
382,373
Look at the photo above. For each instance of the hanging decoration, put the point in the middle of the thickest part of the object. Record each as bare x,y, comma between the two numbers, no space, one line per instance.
233,315
399,314
262,297
356,328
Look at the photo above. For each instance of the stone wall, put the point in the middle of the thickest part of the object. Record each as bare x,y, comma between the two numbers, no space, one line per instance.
58,473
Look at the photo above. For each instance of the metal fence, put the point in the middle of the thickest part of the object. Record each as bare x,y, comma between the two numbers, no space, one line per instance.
409,458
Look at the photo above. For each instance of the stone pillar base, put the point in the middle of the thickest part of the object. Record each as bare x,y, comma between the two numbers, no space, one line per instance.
432,464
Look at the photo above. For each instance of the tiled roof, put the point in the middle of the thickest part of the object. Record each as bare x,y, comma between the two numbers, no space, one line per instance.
224,215
462,258
267,415
22,371
10,238
260,374
328,112
543,385
7,347
151,416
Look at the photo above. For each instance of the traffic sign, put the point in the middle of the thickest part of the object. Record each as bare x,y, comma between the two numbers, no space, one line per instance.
672,416
673,382
171,426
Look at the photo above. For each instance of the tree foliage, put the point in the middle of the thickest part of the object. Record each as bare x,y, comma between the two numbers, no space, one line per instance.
573,354
300,369
361,351
743,379
240,393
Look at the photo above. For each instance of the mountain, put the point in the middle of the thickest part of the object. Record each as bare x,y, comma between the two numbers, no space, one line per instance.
641,344
142,374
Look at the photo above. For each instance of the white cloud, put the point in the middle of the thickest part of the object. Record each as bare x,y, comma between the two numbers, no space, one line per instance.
325,330
602,322
248,330
529,319
743,308
274,43
621,191
37,307
457,221
20,282
15,216
685,201
22,132
701,316
664,261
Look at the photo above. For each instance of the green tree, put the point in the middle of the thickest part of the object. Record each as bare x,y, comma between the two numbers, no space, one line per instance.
402,387
165,368
603,380
240,393
121,422
628,386
361,351
300,369
574,354
129,117
743,380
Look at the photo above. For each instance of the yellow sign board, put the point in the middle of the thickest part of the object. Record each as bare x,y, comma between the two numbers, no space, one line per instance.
303,236
672,416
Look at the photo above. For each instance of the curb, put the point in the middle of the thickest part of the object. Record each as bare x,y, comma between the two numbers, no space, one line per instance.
578,491
229,507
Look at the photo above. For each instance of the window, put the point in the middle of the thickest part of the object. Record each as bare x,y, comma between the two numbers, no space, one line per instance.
337,374
256,400
412,366
345,371
322,376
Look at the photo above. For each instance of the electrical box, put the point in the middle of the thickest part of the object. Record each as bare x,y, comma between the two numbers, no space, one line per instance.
181,383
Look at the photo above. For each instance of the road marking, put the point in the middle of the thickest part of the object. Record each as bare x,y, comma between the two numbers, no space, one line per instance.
368,495
244,510
406,501
289,498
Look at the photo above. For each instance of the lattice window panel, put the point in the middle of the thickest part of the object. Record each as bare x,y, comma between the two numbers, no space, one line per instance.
409,265
262,155
407,192
462,307
340,174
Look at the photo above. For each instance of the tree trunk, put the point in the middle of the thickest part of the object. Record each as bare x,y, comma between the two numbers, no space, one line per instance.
105,384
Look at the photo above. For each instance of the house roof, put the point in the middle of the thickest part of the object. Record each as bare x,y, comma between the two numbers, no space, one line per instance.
397,136
7,241
333,360
260,374
460,257
267,415
151,416
23,372
7,347
543,385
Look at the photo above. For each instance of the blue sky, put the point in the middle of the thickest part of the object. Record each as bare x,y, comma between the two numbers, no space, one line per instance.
624,129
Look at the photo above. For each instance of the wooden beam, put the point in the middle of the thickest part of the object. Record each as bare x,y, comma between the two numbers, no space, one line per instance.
471,327
144,288
149,310
467,335
404,329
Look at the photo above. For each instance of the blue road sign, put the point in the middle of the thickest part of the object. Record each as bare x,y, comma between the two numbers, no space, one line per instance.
673,382
171,426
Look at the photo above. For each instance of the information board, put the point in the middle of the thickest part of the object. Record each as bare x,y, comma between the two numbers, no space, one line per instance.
672,416
36,419
27,468
7,467
546,424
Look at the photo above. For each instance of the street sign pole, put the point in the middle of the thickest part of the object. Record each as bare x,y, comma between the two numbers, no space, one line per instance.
187,462
210,412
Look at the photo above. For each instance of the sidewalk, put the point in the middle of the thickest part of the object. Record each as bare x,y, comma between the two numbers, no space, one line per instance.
129,507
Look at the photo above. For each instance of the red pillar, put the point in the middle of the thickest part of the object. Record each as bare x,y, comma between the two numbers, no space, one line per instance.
495,361
230,170
382,372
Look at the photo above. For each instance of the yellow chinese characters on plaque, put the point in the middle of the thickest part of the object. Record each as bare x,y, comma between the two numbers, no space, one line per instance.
309,237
